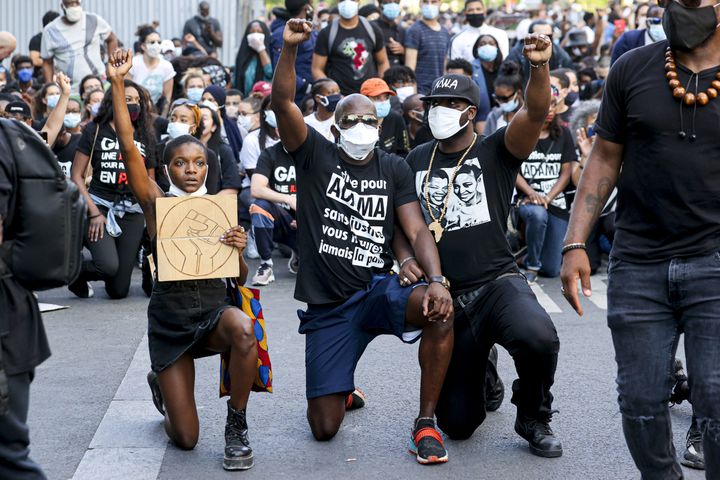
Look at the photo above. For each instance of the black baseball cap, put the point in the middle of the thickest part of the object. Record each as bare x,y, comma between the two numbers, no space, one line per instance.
454,86
18,108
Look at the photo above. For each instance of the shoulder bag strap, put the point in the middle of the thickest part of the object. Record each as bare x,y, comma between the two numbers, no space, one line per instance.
92,151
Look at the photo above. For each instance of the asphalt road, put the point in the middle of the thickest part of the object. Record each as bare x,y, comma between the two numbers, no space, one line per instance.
91,416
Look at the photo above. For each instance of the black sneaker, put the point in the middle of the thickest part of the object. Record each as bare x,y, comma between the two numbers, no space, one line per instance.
81,288
238,454
426,443
155,390
694,457
355,400
494,388
539,435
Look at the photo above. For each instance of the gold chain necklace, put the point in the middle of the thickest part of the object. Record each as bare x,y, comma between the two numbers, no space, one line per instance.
435,226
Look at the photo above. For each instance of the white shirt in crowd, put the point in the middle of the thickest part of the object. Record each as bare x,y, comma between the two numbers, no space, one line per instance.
461,44
321,126
250,153
154,79
75,47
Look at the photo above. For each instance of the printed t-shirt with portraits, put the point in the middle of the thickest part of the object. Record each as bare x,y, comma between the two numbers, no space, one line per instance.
278,167
542,169
346,218
473,247
109,177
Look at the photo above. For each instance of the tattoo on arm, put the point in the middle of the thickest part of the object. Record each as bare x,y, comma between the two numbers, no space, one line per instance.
594,203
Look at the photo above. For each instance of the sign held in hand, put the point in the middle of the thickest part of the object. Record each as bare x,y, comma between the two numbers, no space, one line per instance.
188,238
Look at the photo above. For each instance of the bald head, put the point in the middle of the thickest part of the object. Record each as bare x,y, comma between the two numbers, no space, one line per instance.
355,103
7,45
411,103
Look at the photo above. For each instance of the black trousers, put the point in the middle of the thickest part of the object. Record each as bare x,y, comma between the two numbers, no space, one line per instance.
15,463
507,313
113,259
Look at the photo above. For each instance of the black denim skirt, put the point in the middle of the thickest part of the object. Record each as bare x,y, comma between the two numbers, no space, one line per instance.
181,316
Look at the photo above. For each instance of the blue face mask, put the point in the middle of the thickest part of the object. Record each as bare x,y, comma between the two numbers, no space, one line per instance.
430,12
657,33
71,120
52,100
348,9
382,108
330,102
270,118
94,109
487,53
25,75
391,10
509,107
195,94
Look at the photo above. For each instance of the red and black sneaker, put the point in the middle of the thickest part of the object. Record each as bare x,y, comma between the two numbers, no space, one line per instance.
426,443
355,400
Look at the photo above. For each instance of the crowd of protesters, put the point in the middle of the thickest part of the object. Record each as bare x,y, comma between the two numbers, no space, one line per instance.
341,68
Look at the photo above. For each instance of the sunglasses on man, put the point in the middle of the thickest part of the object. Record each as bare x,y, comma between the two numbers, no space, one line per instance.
349,121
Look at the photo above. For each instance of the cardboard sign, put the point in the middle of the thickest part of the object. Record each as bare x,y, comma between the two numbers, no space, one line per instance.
188,237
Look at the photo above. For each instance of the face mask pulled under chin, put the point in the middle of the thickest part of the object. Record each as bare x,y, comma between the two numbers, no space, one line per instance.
445,122
357,142
176,191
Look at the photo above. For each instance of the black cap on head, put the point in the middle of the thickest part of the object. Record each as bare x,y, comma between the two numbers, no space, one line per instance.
18,108
455,86
294,6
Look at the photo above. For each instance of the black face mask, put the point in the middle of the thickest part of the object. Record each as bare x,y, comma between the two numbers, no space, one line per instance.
688,28
571,98
475,19
134,111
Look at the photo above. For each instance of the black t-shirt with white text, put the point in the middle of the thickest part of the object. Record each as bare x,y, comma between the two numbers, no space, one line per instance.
668,203
278,166
66,153
350,59
542,169
346,217
109,178
473,247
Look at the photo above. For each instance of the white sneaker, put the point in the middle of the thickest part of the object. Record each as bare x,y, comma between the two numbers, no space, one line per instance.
251,250
264,275
294,263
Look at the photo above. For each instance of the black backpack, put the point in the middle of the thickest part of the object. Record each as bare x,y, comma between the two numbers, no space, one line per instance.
44,230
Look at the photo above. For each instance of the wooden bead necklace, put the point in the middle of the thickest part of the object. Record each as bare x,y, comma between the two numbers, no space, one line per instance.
680,92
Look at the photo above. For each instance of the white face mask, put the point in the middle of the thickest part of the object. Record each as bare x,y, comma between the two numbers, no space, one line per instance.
73,14
177,129
179,192
357,142
245,122
232,111
445,122
153,50
404,92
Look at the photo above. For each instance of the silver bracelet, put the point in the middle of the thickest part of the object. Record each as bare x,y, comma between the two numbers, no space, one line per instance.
406,260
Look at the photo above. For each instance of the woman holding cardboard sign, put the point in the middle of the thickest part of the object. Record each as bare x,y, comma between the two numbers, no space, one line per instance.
190,318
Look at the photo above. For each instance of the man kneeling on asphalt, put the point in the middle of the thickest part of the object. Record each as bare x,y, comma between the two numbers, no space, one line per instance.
493,302
273,212
349,196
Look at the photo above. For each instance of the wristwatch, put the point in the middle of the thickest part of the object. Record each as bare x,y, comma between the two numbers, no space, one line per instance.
441,280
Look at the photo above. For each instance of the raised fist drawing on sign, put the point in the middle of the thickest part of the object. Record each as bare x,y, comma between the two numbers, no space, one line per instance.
198,239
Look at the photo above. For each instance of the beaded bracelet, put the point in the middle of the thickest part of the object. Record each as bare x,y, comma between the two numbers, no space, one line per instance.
539,65
572,246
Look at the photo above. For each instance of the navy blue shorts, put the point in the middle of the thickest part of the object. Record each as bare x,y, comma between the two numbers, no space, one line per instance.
336,336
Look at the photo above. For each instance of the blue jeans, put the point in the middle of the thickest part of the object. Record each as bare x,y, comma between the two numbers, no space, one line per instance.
649,306
544,233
